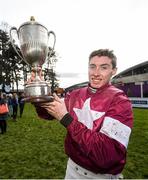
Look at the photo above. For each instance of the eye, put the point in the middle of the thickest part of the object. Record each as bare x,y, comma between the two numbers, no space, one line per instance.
92,66
104,67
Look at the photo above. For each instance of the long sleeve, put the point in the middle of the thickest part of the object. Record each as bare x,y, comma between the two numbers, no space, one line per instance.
105,146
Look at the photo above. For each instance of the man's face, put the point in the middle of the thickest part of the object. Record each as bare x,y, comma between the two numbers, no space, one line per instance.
100,71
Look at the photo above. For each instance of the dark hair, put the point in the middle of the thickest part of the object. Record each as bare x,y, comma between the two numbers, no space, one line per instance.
105,52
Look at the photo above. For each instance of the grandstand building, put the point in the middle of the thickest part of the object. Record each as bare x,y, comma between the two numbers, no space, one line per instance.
134,82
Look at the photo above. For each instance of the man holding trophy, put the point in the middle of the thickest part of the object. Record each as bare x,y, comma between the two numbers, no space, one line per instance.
98,118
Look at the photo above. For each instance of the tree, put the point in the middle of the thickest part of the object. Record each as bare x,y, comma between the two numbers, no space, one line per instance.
10,63
50,76
49,71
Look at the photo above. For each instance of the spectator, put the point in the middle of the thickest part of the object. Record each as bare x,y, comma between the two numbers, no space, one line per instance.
15,106
21,103
10,106
3,116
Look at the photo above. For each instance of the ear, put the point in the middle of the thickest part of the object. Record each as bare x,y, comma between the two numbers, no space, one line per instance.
114,71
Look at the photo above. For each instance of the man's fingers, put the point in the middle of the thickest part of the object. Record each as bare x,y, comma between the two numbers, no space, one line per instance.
47,104
56,97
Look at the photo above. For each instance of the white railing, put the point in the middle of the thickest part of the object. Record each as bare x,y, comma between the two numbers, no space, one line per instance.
139,102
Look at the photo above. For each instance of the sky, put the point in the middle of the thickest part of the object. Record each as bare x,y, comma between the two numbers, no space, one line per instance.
82,26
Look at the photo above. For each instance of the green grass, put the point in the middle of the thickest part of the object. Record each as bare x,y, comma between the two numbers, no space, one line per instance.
137,158
34,148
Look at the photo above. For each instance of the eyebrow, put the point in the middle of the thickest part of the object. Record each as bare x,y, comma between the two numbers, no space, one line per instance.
105,65
100,65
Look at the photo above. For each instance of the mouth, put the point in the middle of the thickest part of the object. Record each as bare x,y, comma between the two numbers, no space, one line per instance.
96,81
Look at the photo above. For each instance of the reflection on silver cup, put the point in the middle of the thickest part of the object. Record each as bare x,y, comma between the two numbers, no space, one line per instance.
34,53
33,41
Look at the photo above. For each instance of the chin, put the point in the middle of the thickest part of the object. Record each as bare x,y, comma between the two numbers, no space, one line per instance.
96,86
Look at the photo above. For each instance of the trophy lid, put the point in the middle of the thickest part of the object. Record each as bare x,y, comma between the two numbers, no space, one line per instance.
32,22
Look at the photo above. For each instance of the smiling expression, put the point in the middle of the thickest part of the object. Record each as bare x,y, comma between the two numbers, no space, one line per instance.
100,71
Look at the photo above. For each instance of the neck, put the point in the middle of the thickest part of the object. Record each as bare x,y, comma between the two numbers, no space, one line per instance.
94,90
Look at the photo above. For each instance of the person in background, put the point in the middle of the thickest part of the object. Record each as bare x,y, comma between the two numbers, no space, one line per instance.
21,103
98,119
9,97
15,106
3,117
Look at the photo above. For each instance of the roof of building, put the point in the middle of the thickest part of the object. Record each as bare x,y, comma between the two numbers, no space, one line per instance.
145,63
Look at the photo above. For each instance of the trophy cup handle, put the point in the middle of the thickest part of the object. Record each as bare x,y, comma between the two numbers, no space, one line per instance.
51,32
11,40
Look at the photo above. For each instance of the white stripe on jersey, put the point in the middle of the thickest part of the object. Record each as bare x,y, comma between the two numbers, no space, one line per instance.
116,130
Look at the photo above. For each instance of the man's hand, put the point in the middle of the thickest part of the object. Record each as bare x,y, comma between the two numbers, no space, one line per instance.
57,108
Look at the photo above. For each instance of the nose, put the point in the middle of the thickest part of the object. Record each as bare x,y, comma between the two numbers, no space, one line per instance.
97,71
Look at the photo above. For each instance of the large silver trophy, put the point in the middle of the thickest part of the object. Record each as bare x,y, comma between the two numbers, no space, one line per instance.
33,40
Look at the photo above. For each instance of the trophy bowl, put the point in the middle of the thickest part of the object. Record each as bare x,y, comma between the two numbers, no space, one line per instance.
37,92
33,40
